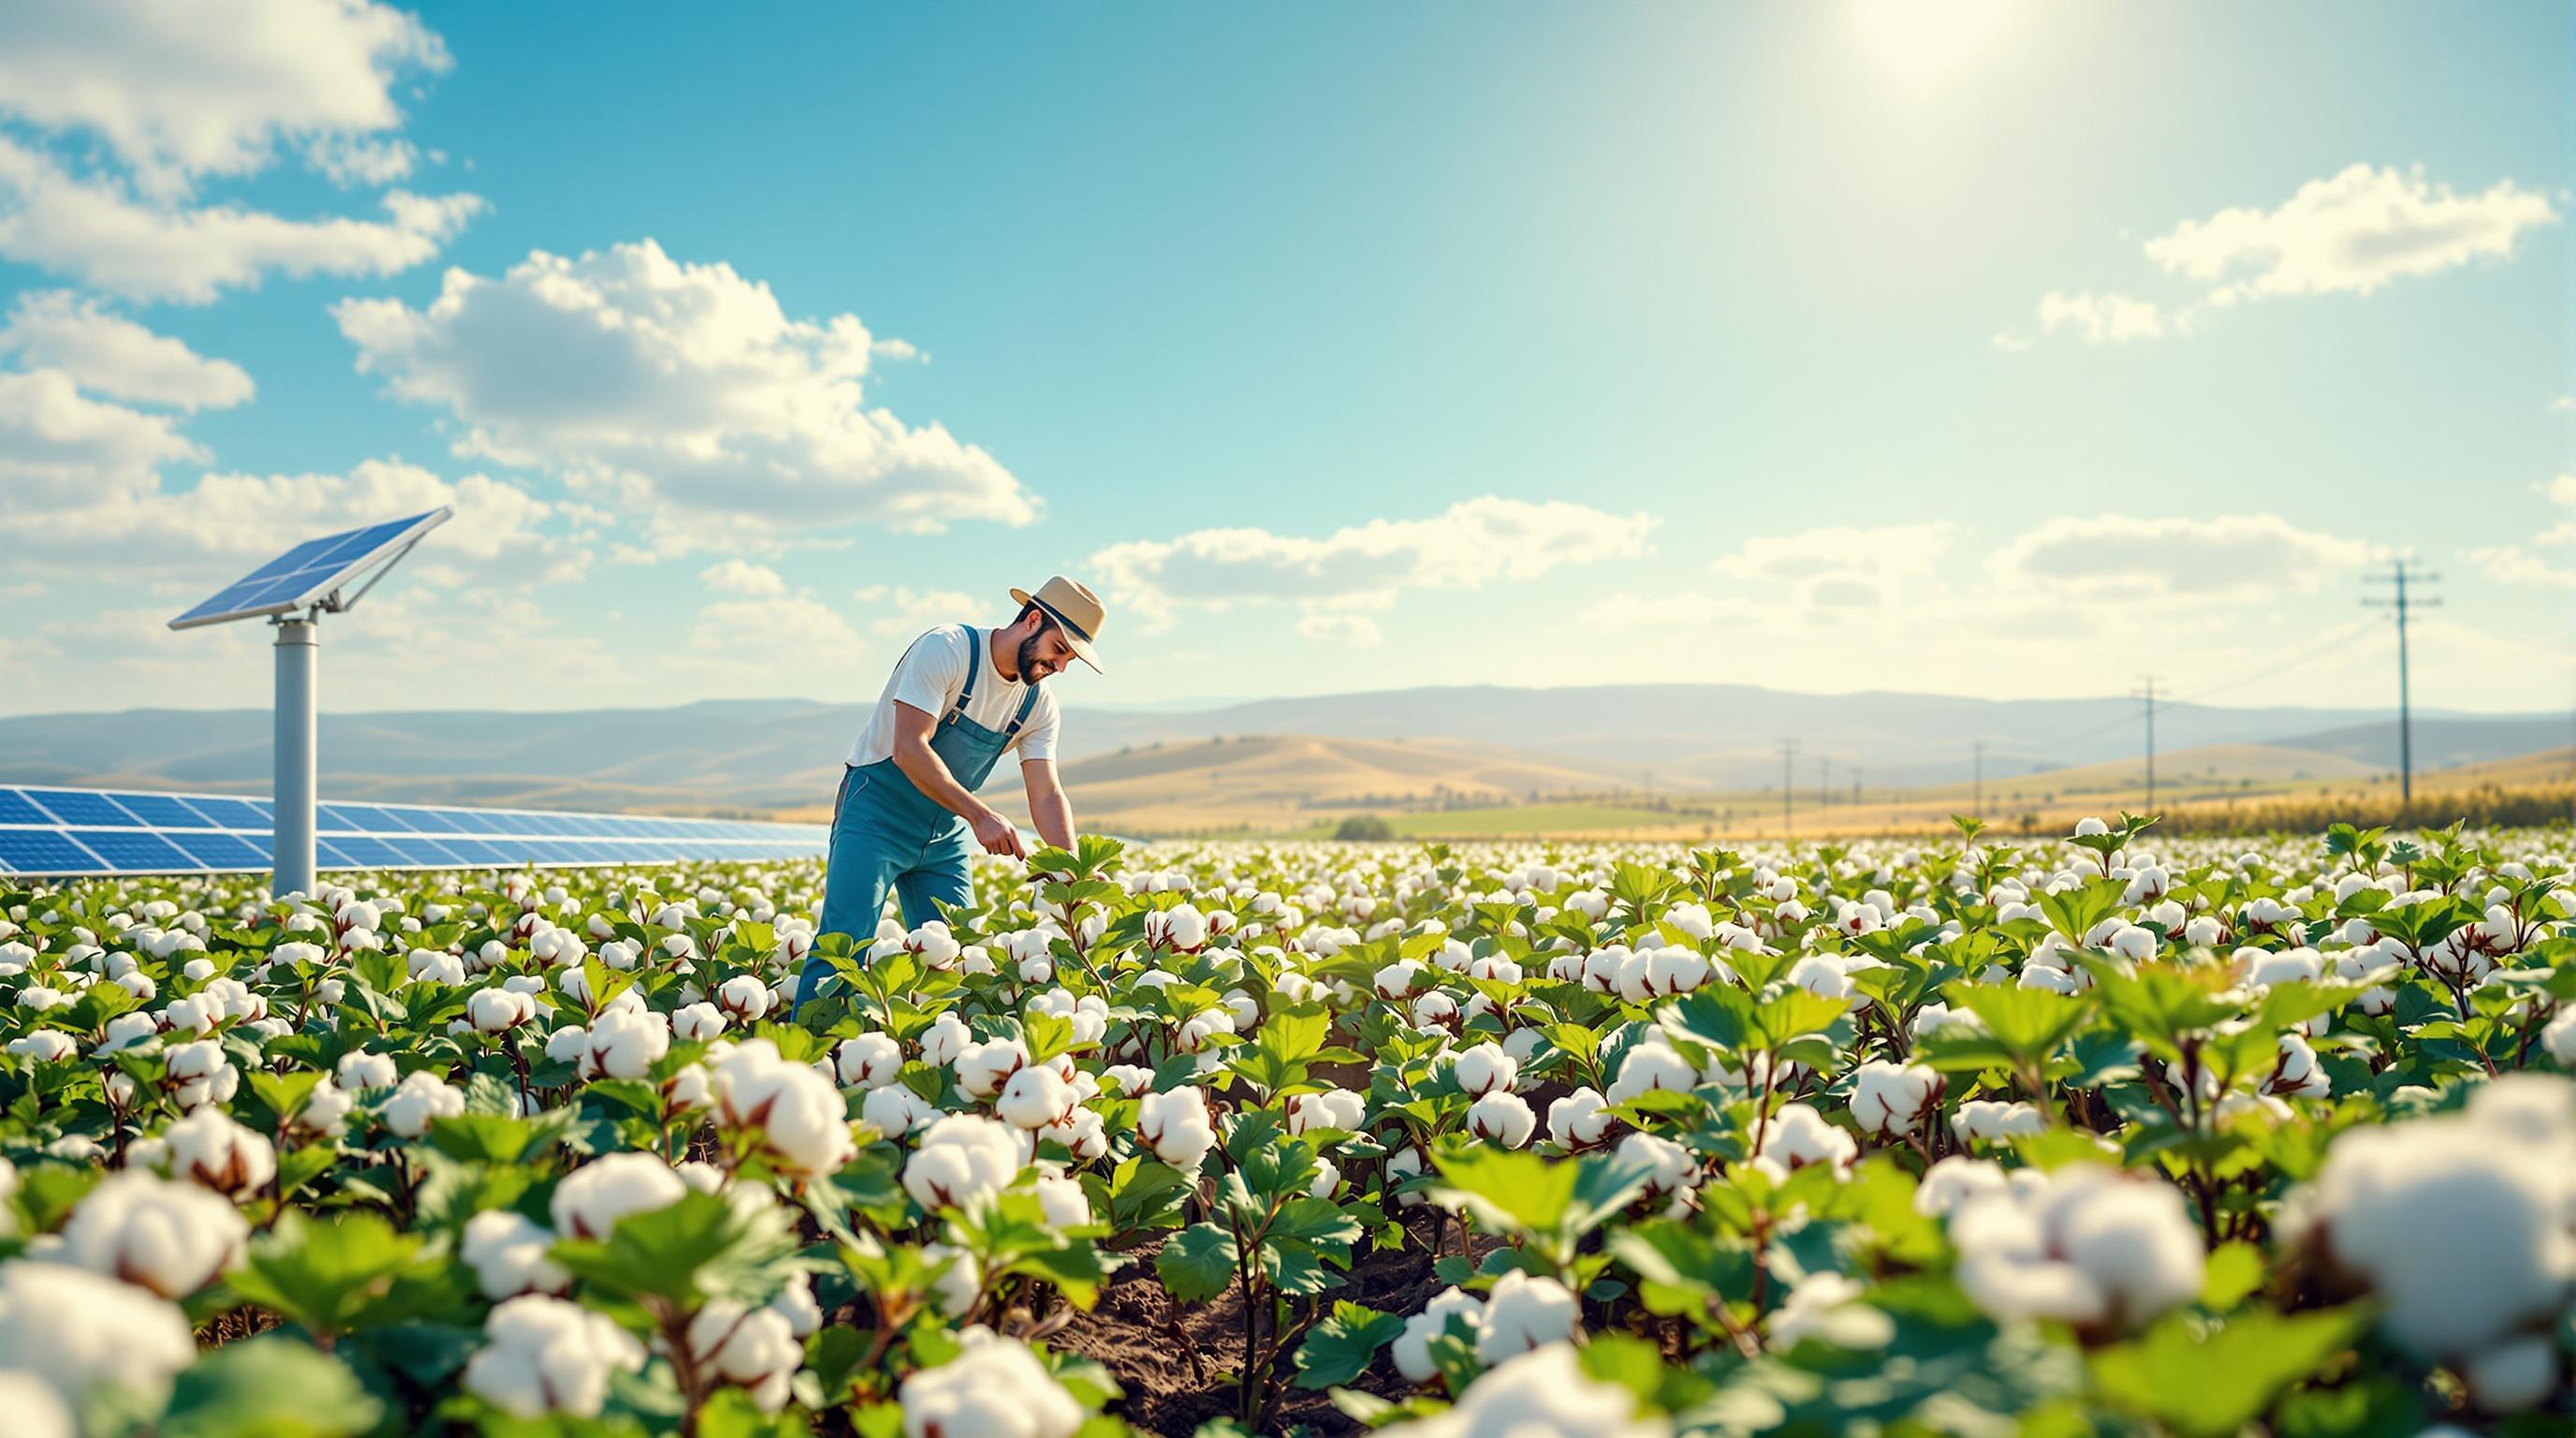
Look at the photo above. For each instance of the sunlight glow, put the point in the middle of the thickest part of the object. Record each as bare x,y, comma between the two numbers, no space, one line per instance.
1925,41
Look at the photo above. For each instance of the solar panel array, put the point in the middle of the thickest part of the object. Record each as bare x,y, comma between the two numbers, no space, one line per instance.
88,831
305,572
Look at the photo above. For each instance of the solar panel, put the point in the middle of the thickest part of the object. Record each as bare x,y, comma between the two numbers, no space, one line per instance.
46,831
310,571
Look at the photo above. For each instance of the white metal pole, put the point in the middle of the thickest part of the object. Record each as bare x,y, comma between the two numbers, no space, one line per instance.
297,649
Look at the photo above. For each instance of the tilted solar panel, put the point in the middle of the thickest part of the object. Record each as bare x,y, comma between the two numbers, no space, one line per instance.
50,831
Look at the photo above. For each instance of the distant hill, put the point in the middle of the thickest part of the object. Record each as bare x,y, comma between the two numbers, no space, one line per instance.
746,756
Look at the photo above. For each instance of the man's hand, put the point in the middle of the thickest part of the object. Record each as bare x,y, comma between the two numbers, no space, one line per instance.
999,835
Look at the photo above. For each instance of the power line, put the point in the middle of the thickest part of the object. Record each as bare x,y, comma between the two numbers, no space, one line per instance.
2405,709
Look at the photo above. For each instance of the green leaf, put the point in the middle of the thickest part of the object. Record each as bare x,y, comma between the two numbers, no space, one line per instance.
2209,1384
1341,1347
325,1276
270,1387
2235,1271
1507,1189
697,1248
1197,1263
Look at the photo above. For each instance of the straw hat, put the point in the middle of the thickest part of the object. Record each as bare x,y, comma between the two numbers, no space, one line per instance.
1075,609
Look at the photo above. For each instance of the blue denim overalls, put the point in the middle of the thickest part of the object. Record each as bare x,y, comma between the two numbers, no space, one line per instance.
886,833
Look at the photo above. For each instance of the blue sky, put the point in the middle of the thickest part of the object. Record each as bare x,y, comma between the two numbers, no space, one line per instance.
1967,346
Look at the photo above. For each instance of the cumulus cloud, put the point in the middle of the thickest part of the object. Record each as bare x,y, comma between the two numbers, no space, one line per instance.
178,89
2525,565
2229,557
736,576
1356,630
60,447
95,231
2350,233
1839,566
680,390
115,356
1365,566
902,612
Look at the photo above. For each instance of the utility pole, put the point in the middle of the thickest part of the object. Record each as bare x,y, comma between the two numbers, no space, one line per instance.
1824,782
2147,692
1978,808
2401,602
1855,786
1788,789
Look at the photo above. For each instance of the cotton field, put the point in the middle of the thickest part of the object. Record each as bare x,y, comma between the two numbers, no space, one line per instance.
2100,1134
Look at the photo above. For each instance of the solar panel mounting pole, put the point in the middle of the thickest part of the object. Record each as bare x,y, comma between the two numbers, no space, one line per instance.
298,646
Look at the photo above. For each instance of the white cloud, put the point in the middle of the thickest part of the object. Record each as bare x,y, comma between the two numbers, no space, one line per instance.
2100,318
116,356
2227,558
736,576
1839,567
96,232
2561,489
184,88
772,644
211,531
2349,234
1365,566
2515,565
682,390
59,447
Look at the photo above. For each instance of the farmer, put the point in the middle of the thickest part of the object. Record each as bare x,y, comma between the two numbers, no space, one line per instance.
906,817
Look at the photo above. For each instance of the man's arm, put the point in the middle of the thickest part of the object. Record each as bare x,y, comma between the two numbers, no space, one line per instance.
929,773
1049,810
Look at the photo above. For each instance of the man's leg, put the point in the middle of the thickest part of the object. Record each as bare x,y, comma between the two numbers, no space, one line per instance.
858,868
939,878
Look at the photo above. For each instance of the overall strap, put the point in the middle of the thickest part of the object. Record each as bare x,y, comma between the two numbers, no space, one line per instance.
974,661
1028,702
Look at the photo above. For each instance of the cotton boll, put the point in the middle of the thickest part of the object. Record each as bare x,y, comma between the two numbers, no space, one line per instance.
592,1198
868,1061
1541,1394
993,1388
171,1238
799,1115
2086,1246
1502,1117
1953,1181
1671,1166
1826,1306
1483,1069
83,1334
1035,1097
1798,1137
1577,1121
945,1039
1648,1065
896,1110
421,1098
1994,1120
1412,1349
208,1148
1523,1312
963,1160
754,1349
982,1068
542,1354
507,1252
1891,1099
1330,1108
1176,1127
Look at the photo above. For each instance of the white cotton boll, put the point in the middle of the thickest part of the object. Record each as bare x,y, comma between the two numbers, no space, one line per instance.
1826,1306
590,1200
542,1354
2295,1073
799,1115
1434,1008
207,1147
2513,1376
1577,1120
959,1281
697,1023
993,1388
982,1068
170,1237
82,1334
1035,1097
1135,1079
1524,1311
55,1046
796,1304
1954,1180
1403,1166
1062,1201
896,1110
1994,1120
754,1349
868,1061
1502,1117
1400,980
1330,1108
2559,1036
1412,1349
622,1044
1798,1136
2087,1246
963,1160
1541,1394
743,997
422,1097
1672,1168
1651,1064
507,1252
200,1073
1483,1069
1891,1099
1601,968
945,1039
1827,977
1176,1127
493,1011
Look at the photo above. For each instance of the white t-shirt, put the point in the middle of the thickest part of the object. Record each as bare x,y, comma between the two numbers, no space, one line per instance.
928,678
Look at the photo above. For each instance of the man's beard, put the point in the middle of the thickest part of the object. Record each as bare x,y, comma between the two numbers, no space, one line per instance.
1029,657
